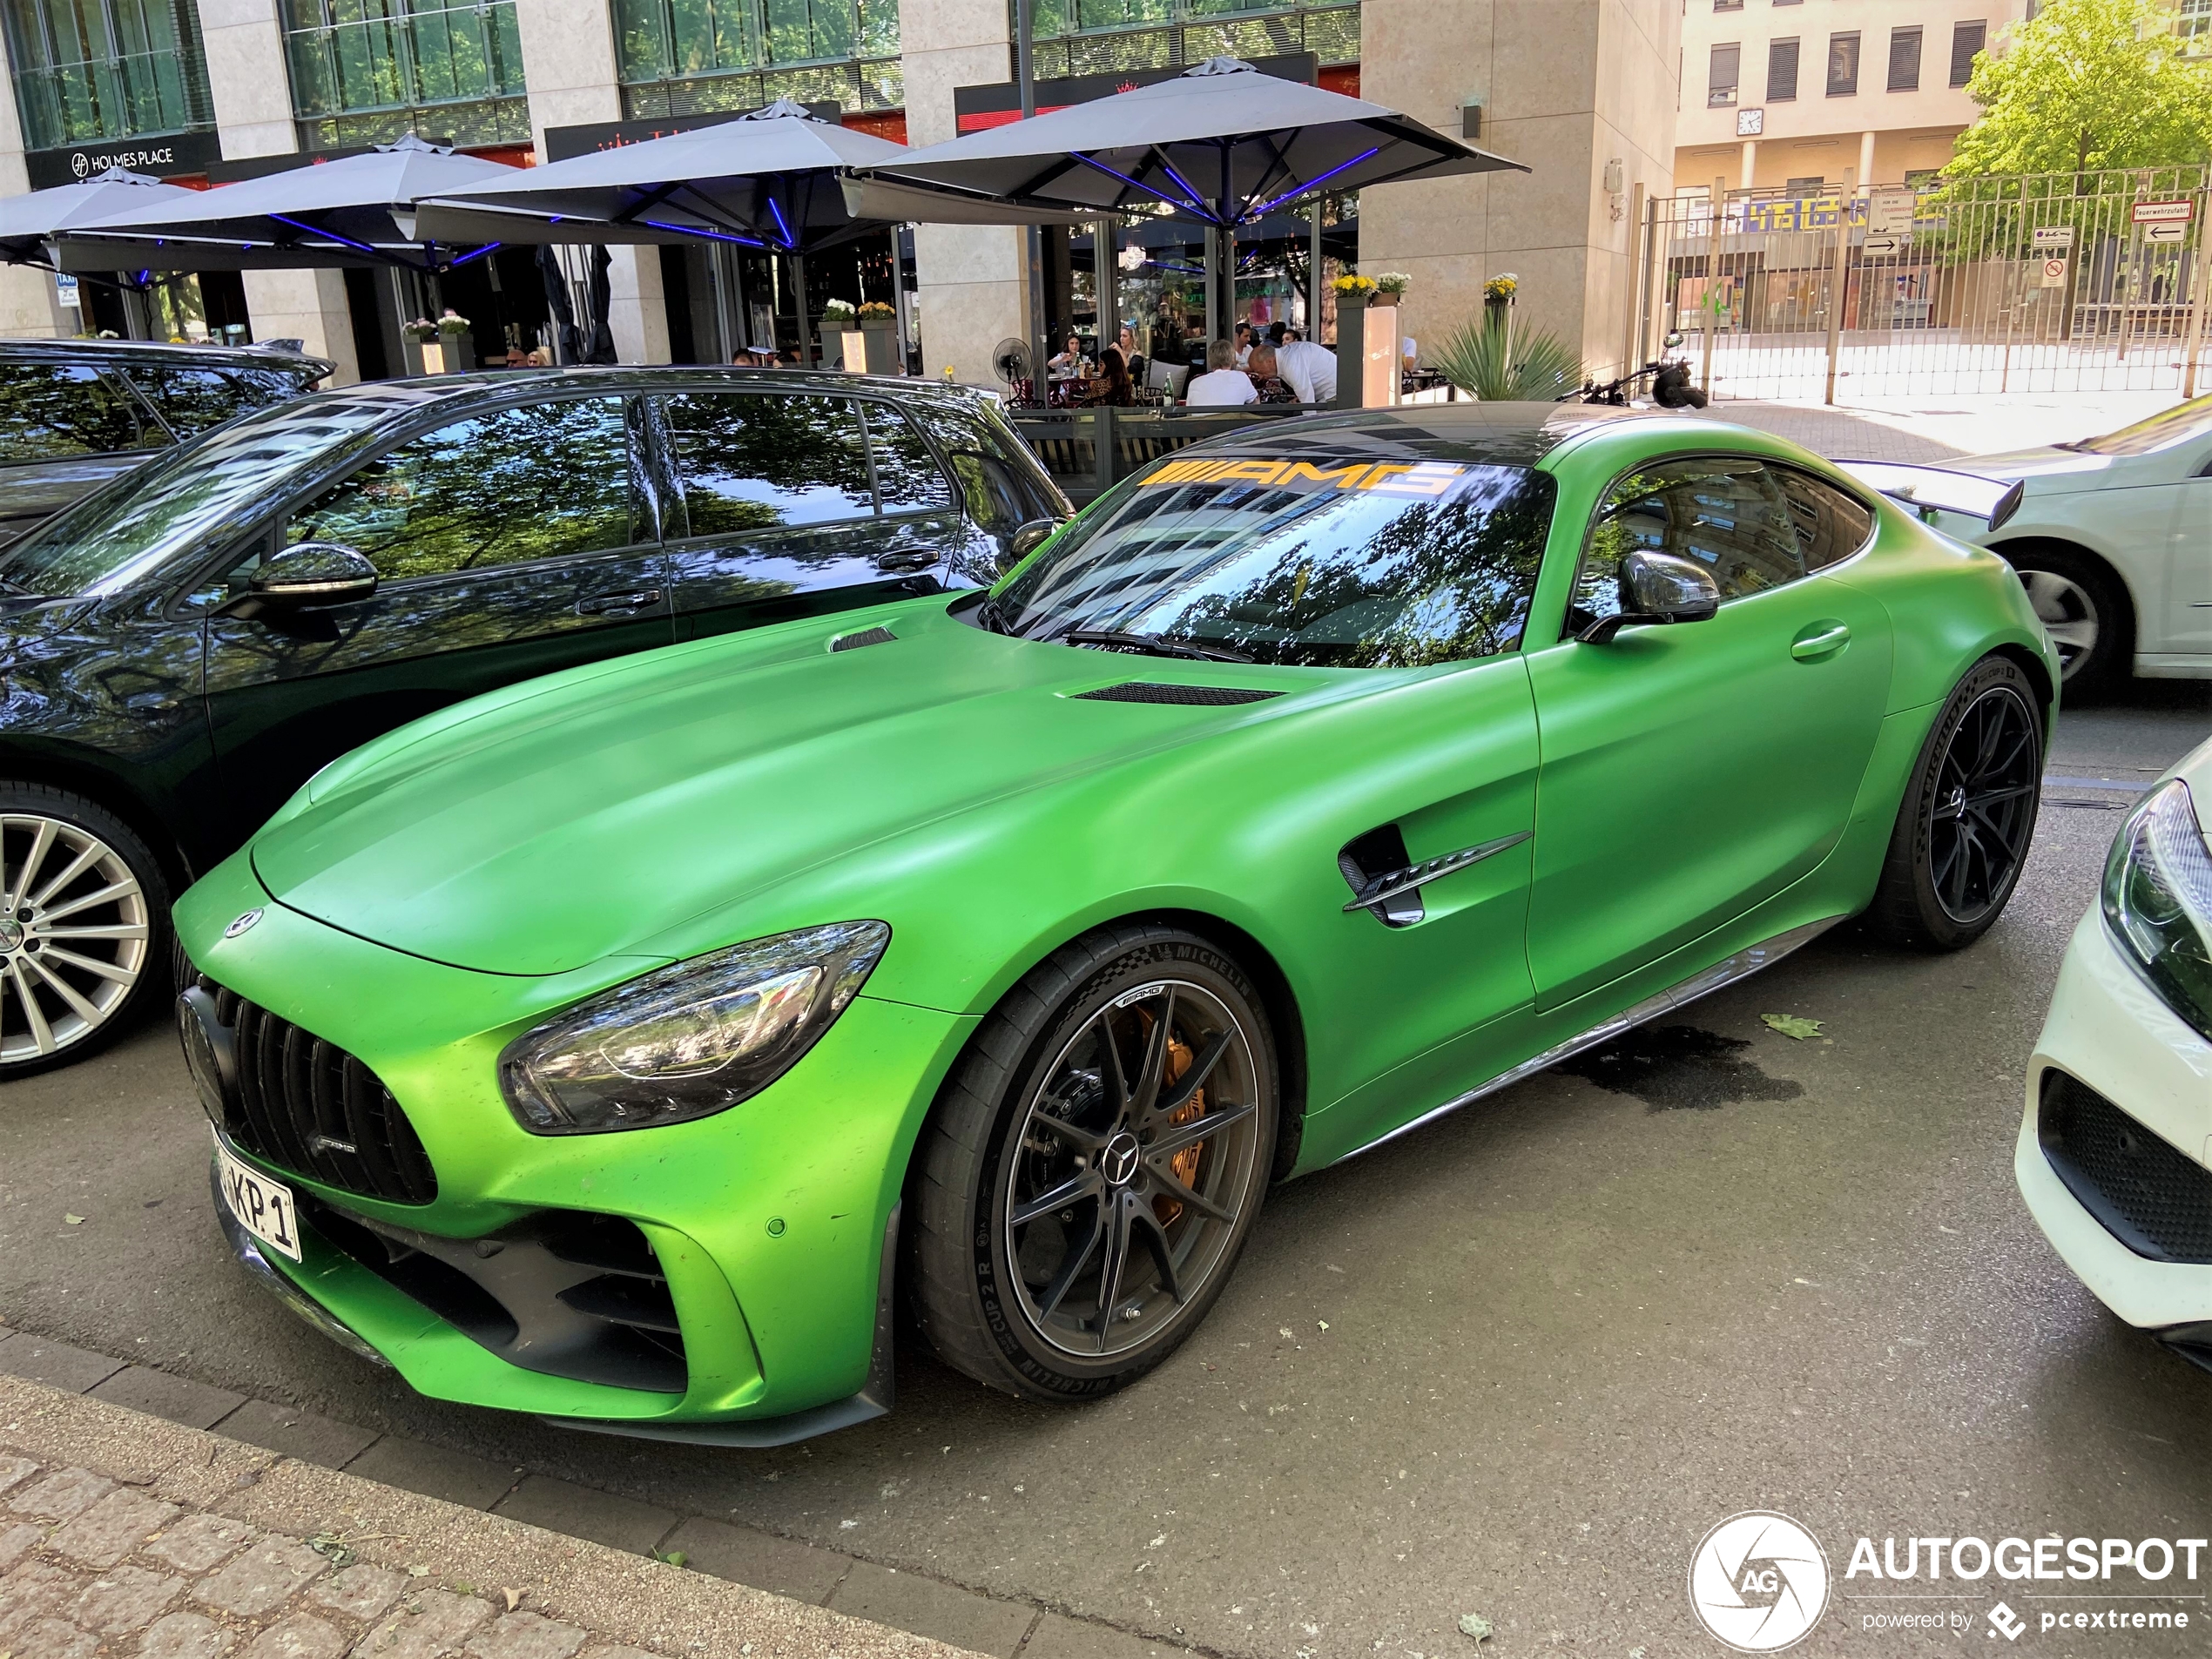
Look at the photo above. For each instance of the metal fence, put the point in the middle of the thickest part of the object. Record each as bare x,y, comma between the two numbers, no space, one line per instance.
2029,283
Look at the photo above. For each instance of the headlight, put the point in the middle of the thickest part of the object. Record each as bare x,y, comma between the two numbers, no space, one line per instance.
691,1039
2158,900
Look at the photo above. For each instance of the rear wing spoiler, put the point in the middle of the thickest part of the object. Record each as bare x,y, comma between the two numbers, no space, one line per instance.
1935,489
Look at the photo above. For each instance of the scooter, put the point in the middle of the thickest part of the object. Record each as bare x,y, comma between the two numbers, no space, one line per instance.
1671,387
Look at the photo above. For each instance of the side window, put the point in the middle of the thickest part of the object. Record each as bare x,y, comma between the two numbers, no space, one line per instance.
755,460
906,474
191,400
1831,525
1724,512
545,480
1002,490
52,411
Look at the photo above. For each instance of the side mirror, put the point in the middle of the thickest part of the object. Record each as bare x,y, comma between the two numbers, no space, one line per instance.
1657,587
1026,540
308,574
1673,339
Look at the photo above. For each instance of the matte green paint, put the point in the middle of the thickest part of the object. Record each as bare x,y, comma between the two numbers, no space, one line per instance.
1691,790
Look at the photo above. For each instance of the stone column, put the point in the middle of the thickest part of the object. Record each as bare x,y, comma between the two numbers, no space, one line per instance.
569,61
1567,86
968,279
1749,174
28,308
1865,162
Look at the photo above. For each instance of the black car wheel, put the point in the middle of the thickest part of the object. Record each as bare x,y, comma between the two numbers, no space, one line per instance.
1968,816
1095,1165
83,919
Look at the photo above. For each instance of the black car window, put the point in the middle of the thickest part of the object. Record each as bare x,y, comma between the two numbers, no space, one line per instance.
191,400
50,411
1345,562
1724,512
908,476
543,481
1001,483
752,461
1831,525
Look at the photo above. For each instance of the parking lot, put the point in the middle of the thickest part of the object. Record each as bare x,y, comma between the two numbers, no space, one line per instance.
1515,1365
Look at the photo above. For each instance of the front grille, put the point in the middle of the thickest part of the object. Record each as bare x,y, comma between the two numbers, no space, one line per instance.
565,1293
2152,1197
1204,697
307,1105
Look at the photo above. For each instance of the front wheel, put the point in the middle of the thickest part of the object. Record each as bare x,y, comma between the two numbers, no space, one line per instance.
1962,833
1095,1165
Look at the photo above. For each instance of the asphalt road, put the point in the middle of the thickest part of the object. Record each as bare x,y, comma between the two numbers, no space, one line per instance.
1515,1365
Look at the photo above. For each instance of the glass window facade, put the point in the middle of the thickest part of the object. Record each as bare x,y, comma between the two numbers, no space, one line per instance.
86,71
364,72
1098,36
691,57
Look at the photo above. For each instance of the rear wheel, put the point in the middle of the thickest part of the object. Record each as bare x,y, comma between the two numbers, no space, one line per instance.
1968,816
2083,608
84,923
1095,1165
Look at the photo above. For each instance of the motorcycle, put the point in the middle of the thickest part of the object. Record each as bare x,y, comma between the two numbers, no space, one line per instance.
1671,387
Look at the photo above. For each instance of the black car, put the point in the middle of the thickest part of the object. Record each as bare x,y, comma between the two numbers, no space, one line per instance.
182,649
76,413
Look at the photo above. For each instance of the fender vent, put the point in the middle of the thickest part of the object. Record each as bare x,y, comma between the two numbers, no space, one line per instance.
865,637
1204,697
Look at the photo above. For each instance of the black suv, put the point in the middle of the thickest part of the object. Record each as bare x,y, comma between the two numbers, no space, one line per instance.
182,649
75,413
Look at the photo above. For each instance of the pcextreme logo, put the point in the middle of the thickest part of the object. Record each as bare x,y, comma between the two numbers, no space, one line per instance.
1758,1582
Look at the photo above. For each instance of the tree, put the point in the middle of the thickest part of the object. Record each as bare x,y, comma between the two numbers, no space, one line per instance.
2087,84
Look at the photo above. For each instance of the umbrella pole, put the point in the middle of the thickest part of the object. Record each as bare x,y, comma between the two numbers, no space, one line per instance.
806,356
1025,79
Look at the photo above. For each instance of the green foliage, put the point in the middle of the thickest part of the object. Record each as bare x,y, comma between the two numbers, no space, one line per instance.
2087,84
1541,367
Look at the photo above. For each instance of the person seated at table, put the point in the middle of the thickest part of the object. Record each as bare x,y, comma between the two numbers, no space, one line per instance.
1068,362
1113,384
1244,344
1267,385
1223,385
1309,370
1131,355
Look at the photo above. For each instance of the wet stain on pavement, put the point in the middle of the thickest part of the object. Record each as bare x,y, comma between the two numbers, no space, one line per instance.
1678,1068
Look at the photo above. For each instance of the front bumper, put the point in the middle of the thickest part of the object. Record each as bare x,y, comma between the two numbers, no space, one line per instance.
2110,1030
771,1222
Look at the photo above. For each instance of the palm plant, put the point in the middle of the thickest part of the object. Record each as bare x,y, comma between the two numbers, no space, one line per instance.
1502,364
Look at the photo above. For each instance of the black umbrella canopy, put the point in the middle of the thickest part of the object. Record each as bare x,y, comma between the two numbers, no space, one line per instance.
29,222
355,210
1221,143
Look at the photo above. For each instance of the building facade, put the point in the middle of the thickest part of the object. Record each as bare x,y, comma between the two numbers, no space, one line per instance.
1582,91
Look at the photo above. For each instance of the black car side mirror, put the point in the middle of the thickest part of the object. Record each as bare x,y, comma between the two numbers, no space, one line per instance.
1026,540
1658,588
301,577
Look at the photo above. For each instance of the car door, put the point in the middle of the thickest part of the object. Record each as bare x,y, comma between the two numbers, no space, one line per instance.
510,542
66,428
1692,770
773,514
2187,629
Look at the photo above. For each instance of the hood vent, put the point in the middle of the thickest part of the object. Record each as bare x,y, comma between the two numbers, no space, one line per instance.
865,637
1203,696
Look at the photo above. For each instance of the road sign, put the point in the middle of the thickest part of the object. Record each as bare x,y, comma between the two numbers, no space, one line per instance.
1891,209
1882,247
2167,231
66,292
2165,212
2055,273
2054,236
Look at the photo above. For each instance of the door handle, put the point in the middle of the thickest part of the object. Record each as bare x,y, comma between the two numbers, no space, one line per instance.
601,604
1821,639
907,558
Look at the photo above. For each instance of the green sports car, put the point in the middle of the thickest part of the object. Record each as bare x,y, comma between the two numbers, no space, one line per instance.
615,1045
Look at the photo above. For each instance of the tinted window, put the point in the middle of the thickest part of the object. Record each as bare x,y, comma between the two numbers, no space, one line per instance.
52,410
1724,512
1831,525
543,482
1001,483
191,400
752,461
1355,564
906,474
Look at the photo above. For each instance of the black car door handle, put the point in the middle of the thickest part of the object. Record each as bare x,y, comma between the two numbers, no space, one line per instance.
601,604
907,558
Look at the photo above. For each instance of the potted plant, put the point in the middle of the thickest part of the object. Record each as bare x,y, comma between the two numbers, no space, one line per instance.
1353,293
1497,307
419,342
880,338
840,325
459,346
1389,284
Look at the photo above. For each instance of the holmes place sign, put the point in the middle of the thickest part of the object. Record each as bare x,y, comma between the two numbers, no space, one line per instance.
182,152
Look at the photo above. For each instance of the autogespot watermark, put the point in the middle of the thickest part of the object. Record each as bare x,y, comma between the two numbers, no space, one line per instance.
1760,1582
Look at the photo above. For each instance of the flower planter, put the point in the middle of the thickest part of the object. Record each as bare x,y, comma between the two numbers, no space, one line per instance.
421,356
1351,314
458,353
880,342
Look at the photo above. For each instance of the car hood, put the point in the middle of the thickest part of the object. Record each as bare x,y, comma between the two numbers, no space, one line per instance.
566,821
2049,469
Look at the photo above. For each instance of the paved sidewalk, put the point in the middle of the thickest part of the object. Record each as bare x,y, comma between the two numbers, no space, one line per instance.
121,1533
1933,429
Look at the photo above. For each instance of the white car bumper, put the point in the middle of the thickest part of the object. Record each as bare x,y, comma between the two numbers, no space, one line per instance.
2108,1029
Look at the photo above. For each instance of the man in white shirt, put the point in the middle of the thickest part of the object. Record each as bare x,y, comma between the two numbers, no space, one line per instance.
1223,385
1308,369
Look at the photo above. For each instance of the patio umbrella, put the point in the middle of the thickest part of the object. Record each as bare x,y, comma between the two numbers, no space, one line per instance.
29,223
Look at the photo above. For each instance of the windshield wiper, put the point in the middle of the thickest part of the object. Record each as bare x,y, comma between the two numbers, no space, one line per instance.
990,616
1147,645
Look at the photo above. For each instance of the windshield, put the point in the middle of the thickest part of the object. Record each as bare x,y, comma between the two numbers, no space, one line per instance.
185,501
2161,431
1335,562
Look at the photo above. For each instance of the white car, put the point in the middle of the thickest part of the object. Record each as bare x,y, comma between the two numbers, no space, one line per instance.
2113,539
2114,1150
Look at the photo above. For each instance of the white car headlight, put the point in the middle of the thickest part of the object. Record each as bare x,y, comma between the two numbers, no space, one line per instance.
2157,900
690,1040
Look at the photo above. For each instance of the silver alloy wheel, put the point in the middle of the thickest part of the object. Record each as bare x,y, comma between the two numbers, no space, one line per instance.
1134,1165
2068,615
74,933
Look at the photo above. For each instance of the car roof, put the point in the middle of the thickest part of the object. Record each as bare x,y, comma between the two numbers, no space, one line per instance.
152,351
1494,434
428,390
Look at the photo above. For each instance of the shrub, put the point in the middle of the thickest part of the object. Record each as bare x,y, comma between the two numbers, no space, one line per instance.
1542,368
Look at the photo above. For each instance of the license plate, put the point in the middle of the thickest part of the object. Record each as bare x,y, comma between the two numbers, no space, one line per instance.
263,1207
